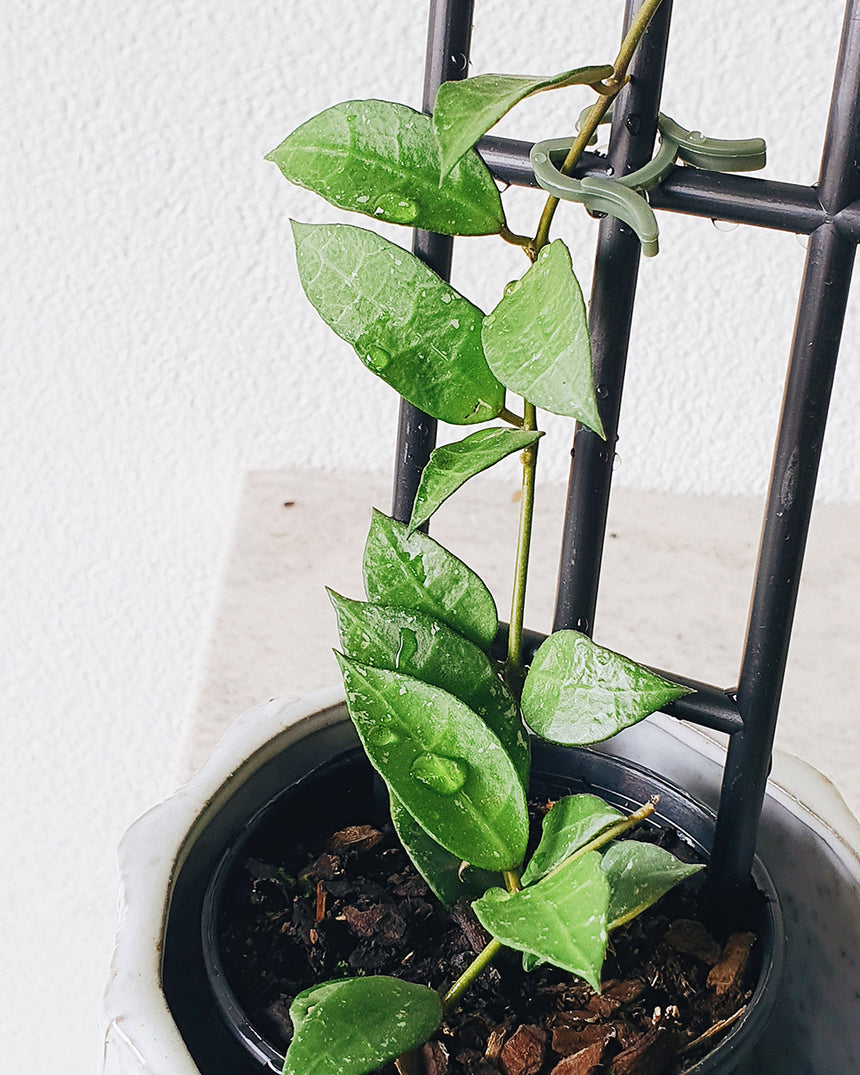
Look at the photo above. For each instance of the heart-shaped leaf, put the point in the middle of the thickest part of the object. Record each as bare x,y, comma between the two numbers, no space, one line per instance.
561,919
407,325
443,763
536,340
442,871
639,874
577,692
451,465
356,1025
571,823
418,645
414,571
466,110
383,160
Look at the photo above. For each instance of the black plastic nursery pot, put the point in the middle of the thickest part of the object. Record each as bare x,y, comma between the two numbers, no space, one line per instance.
324,782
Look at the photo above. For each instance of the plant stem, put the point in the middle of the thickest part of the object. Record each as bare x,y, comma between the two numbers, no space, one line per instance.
512,882
610,834
514,664
511,418
592,121
482,960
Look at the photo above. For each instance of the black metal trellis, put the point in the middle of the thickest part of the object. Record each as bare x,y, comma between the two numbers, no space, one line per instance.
829,212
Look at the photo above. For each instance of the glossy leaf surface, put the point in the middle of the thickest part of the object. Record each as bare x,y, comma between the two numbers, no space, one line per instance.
414,571
442,762
536,340
356,1025
466,110
383,160
577,692
418,645
439,868
561,919
451,465
571,823
406,324
639,874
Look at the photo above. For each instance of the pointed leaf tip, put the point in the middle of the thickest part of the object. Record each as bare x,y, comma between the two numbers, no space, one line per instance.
577,692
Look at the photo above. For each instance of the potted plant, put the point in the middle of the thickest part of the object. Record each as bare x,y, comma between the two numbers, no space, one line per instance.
441,719
442,715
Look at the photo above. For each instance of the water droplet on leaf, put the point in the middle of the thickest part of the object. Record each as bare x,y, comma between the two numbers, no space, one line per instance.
439,773
397,209
407,648
512,287
380,735
377,358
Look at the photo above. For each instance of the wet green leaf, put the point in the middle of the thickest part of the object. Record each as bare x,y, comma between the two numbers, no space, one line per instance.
354,1026
536,340
383,160
407,325
466,110
561,919
577,692
451,465
439,868
414,571
571,823
638,875
443,763
418,645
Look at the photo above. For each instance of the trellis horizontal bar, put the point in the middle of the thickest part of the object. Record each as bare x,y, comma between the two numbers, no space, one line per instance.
740,199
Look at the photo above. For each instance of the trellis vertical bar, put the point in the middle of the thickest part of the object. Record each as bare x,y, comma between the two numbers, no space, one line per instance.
815,346
449,39
614,290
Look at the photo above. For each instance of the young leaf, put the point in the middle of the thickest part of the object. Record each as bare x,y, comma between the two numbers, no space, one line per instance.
356,1025
638,875
383,160
467,109
444,764
536,340
414,571
561,919
568,826
415,644
577,692
440,869
406,324
451,465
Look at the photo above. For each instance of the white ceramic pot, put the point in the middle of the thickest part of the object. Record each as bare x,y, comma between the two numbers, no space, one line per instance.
168,855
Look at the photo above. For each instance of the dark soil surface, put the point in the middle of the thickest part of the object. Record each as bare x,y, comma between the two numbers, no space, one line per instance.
355,905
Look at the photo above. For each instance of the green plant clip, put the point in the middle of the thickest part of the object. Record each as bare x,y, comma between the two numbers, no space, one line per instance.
621,197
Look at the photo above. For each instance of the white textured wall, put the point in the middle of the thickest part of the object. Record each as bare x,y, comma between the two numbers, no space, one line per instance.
155,346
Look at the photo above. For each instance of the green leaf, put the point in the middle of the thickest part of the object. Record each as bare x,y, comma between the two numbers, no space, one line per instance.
577,692
561,919
451,465
444,764
571,823
407,325
354,1026
414,571
418,645
638,875
536,340
440,869
383,160
467,109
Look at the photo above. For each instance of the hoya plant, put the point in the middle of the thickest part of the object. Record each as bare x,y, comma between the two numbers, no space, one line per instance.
443,721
